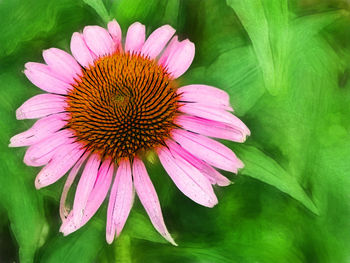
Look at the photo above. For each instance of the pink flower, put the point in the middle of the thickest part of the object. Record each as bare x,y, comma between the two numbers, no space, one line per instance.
107,106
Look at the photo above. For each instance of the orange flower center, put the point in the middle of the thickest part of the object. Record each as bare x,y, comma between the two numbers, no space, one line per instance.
122,106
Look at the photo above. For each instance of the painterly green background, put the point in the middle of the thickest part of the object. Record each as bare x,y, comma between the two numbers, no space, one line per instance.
286,66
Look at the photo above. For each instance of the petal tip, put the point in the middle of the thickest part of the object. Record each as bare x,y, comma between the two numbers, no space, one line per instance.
12,145
240,164
168,237
20,115
13,142
109,238
169,28
213,201
63,230
137,24
67,227
38,184
243,138
28,65
248,132
46,52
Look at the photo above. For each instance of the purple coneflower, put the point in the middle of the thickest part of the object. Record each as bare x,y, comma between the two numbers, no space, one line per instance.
108,106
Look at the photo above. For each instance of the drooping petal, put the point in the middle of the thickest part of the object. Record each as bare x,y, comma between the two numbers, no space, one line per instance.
63,159
44,78
213,175
80,215
208,95
115,31
40,153
215,114
42,129
70,179
80,50
135,37
40,106
187,178
157,41
63,64
211,128
120,201
149,199
178,57
208,150
98,40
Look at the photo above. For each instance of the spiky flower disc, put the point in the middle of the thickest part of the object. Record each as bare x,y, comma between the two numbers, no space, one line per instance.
122,105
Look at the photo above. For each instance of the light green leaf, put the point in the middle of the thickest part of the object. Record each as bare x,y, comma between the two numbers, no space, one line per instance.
236,72
149,12
171,12
100,9
140,227
23,204
260,18
24,20
80,246
262,167
307,27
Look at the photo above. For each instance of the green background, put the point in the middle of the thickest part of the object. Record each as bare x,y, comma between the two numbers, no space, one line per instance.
286,66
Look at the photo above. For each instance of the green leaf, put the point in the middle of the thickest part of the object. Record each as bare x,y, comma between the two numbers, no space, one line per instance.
263,168
100,9
149,12
139,226
307,27
81,246
262,19
23,204
21,22
236,72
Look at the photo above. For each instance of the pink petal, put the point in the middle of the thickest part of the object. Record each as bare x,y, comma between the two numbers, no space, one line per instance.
44,78
42,129
63,64
73,173
210,96
40,106
80,50
178,57
208,150
149,199
187,178
40,153
157,41
214,114
120,201
135,37
115,31
171,47
211,128
63,159
98,40
79,216
85,186
213,175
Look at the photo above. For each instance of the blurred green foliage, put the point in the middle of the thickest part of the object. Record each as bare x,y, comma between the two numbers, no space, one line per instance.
286,66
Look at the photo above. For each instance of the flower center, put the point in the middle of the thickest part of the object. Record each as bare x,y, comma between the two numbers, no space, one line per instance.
122,105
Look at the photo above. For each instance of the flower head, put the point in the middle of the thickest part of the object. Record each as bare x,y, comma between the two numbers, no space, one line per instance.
110,104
